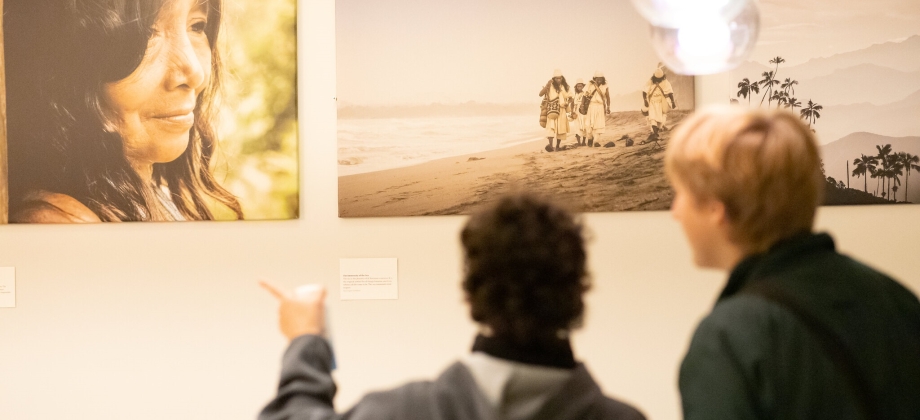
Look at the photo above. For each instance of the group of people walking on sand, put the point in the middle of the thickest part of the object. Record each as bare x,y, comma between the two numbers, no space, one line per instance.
584,111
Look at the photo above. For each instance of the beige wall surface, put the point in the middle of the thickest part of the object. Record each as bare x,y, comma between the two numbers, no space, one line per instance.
165,321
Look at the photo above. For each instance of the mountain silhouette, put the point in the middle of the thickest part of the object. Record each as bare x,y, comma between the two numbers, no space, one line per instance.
863,83
897,119
903,56
836,155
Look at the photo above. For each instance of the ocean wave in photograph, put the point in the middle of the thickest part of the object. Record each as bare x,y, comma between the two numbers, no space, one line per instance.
368,145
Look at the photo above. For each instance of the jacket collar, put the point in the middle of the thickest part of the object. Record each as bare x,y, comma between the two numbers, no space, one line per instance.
779,256
459,398
552,353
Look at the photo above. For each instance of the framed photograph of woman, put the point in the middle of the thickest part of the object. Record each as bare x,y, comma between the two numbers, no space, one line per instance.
150,110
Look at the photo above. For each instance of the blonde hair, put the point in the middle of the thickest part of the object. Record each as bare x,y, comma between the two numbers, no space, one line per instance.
764,166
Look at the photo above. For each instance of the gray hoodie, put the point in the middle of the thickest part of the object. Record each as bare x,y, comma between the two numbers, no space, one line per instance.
466,390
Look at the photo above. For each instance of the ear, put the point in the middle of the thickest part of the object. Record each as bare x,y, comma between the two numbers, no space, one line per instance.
716,212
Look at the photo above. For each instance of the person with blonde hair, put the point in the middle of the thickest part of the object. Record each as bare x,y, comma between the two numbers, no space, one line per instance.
799,331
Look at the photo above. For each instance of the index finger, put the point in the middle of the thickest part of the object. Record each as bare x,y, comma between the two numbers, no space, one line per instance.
278,294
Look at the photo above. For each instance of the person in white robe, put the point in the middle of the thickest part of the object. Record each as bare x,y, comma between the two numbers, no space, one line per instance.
577,119
658,97
596,117
556,96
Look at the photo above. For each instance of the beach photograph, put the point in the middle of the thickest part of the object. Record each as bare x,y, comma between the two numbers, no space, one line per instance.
443,106
855,78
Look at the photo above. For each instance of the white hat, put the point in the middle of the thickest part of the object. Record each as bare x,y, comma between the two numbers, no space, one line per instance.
580,81
557,73
598,74
659,74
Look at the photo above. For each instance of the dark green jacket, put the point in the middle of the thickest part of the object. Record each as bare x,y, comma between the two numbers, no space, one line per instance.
752,358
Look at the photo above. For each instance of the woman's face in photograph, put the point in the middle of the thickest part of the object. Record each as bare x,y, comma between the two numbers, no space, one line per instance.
153,108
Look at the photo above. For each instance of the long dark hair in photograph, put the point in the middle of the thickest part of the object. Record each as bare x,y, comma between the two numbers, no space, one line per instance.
563,85
60,54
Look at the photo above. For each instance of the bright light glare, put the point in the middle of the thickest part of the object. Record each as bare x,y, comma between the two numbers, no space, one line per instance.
704,40
678,13
709,44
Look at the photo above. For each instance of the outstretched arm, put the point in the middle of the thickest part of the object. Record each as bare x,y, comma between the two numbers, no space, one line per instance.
299,315
673,103
306,388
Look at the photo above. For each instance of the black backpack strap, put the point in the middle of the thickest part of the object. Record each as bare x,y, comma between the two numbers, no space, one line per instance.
831,343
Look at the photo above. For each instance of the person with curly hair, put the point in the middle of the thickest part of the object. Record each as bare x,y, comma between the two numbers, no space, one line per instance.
524,280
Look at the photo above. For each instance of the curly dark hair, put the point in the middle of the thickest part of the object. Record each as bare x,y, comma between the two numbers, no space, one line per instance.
525,269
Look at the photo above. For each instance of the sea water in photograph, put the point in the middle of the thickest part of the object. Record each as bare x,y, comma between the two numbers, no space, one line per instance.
367,145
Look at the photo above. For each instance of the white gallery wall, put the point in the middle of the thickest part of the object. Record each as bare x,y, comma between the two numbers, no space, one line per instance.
165,321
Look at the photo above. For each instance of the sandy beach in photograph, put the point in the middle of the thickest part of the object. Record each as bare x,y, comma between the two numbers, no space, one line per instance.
586,179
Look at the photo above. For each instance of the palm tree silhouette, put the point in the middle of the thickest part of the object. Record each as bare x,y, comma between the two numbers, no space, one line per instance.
884,153
777,60
767,85
877,175
896,170
782,98
777,96
811,113
911,162
865,165
789,85
794,103
745,89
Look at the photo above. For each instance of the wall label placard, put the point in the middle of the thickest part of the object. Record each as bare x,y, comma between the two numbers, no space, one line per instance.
7,287
368,278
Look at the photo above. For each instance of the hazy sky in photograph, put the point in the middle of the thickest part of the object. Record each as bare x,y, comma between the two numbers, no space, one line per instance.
449,51
799,30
